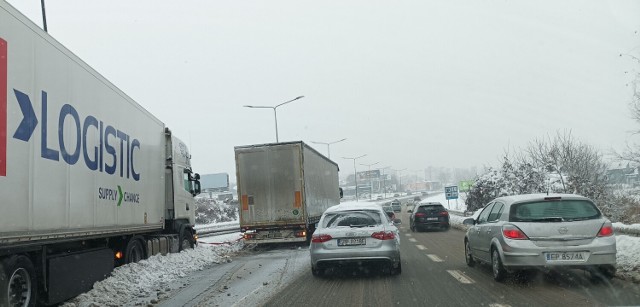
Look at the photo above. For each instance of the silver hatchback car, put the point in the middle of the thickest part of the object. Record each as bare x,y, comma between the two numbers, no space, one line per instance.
355,235
540,231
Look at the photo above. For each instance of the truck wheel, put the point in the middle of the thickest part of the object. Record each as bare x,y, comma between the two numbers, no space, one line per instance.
134,251
17,282
186,239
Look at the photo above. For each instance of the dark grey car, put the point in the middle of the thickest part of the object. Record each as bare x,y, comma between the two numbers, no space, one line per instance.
543,232
429,215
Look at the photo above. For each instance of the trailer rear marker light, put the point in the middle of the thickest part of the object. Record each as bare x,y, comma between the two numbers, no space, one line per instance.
118,255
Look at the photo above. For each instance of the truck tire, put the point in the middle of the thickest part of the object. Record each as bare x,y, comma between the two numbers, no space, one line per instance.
18,283
186,239
134,251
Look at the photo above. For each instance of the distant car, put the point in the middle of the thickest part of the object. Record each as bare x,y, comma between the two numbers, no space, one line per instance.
356,236
428,216
388,209
410,208
396,205
417,199
396,195
424,193
379,197
540,231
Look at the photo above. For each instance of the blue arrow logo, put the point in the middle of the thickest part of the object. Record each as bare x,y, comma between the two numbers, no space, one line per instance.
29,120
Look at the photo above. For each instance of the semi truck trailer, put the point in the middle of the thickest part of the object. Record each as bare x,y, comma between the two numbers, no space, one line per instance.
89,179
283,189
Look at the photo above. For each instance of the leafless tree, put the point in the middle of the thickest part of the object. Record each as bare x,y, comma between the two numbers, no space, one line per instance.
631,152
579,167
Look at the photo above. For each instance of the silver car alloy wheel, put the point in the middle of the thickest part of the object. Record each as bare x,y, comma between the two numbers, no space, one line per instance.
467,253
495,264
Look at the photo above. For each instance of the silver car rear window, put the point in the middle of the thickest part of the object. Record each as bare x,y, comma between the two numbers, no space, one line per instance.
361,218
554,211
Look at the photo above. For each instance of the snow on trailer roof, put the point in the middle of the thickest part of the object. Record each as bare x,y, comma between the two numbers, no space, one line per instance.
299,143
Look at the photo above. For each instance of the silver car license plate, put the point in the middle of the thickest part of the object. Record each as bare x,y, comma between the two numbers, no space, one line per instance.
352,241
566,256
432,219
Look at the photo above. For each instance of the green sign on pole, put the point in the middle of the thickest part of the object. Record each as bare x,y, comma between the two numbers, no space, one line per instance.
465,185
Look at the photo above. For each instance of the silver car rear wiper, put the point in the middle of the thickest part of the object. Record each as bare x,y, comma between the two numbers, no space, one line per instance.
580,218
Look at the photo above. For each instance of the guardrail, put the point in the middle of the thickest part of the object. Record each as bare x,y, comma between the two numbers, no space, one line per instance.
205,231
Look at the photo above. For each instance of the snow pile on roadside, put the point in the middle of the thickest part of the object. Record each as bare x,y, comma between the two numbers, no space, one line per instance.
628,256
631,229
142,283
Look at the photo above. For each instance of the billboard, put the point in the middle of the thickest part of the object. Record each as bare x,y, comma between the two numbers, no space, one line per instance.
367,175
214,181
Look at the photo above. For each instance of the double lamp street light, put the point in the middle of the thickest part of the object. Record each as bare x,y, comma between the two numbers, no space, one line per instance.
355,172
328,144
275,113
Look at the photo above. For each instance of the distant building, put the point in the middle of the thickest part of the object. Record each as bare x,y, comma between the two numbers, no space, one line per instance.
624,175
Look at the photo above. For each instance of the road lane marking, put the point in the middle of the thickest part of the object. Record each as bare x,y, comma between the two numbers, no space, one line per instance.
499,305
413,240
461,277
421,247
407,234
435,258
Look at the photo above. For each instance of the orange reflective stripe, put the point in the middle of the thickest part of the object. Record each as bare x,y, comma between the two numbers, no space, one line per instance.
298,201
245,202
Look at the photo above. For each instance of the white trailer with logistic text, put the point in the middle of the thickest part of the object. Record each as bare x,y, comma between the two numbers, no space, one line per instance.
88,178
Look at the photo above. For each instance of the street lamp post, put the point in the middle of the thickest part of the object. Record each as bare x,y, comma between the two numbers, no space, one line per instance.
370,180
355,172
275,113
328,144
400,177
384,181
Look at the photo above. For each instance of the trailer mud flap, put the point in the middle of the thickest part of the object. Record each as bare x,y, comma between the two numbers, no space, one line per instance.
74,274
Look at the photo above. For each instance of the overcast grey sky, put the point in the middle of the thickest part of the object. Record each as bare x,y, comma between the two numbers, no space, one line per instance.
409,83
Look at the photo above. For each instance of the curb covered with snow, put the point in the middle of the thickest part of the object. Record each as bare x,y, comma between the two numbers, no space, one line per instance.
147,281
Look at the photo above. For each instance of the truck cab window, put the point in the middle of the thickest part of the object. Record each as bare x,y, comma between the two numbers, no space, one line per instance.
187,182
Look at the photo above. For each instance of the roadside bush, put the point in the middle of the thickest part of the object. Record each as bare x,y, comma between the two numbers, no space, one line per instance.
209,211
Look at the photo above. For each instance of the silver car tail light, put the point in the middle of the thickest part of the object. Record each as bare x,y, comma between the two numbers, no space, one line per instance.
383,235
513,232
320,238
606,230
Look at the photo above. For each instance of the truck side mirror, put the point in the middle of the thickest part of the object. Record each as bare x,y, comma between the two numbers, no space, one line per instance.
196,176
341,193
